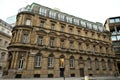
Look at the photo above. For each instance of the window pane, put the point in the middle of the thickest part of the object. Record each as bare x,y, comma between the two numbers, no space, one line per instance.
69,19
52,14
112,21
43,11
25,38
83,23
117,20
27,22
40,40
76,21
61,17
114,38
42,24
38,61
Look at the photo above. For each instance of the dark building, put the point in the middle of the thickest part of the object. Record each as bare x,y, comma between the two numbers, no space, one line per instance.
112,24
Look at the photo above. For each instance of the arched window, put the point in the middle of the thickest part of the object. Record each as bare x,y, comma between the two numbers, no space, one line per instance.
72,62
51,60
89,63
109,64
38,59
103,64
96,64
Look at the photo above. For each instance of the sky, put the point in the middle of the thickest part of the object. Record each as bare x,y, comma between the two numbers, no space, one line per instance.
92,10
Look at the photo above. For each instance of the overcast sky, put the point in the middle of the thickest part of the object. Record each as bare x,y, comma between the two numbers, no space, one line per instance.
92,10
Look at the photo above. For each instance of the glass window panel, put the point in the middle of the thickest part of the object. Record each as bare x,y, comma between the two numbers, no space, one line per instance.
112,21
118,37
50,61
71,63
89,25
117,20
38,61
27,22
61,17
76,21
69,19
95,27
83,23
40,40
113,37
52,14
43,11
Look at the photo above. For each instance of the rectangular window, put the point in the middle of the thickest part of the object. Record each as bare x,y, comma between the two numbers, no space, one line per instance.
27,22
50,61
50,75
52,42
112,20
69,19
25,38
43,11
78,32
89,25
117,20
89,64
61,17
36,75
76,21
103,65
42,23
38,61
107,51
100,49
71,63
52,26
62,28
52,14
6,44
20,66
71,45
40,40
87,47
70,30
83,23
79,46
95,27
62,44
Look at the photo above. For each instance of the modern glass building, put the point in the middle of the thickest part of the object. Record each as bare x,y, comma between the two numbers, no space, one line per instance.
112,24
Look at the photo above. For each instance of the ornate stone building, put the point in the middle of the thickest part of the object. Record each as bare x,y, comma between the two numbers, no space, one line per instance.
5,36
50,43
112,24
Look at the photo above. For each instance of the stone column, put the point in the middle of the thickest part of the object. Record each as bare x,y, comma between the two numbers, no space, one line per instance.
16,60
13,59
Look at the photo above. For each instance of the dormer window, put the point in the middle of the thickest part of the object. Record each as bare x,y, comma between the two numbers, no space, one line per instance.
69,19
52,14
43,11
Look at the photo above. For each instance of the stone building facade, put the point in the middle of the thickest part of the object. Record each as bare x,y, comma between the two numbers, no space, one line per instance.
50,43
5,37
